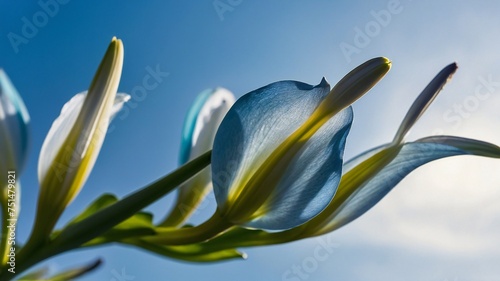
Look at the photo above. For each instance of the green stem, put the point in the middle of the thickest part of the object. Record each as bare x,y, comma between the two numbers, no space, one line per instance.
190,235
28,256
189,253
37,250
241,237
190,195
98,223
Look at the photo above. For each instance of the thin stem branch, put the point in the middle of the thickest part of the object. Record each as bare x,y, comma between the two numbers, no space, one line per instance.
75,235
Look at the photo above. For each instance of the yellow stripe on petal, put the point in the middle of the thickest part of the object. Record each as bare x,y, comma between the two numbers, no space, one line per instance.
258,184
62,174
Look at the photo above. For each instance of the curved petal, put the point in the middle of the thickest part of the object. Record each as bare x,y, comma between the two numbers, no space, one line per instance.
14,126
424,100
189,125
255,126
61,127
73,145
58,133
208,120
199,131
411,156
355,161
311,180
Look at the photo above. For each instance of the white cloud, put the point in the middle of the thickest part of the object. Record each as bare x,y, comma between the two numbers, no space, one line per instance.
447,208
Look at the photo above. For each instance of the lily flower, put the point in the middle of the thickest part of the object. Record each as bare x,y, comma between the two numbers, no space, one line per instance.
200,126
277,156
14,129
370,176
73,142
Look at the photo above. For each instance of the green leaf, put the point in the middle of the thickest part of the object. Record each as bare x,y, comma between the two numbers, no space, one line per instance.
139,224
191,253
471,146
100,203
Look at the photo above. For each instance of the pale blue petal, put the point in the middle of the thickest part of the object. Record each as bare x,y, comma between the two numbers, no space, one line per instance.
190,123
353,162
411,156
312,178
255,126
475,147
14,125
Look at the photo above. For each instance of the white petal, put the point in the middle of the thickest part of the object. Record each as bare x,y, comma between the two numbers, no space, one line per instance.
62,126
58,133
200,127
208,121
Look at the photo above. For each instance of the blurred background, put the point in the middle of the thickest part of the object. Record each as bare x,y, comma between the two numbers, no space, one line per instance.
441,223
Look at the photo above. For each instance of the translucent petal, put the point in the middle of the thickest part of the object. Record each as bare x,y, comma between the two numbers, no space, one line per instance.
200,127
255,126
353,162
310,182
411,156
58,133
61,127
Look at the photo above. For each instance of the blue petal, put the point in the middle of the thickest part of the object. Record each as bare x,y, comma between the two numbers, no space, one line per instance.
312,178
411,156
255,126
353,162
15,122
190,123
200,128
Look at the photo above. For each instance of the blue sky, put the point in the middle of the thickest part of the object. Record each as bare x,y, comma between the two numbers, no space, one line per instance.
441,223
